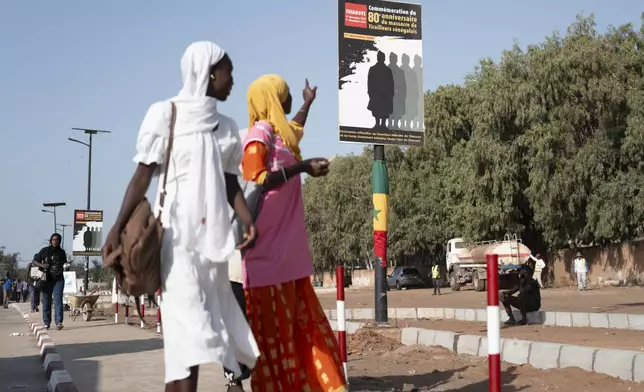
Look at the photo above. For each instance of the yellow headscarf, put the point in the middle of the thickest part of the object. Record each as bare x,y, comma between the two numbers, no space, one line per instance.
265,97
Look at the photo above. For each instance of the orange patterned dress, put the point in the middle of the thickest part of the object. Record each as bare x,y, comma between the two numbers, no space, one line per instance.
299,350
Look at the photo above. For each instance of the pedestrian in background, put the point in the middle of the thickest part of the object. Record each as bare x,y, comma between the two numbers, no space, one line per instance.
436,278
36,279
18,288
580,267
6,291
25,290
52,259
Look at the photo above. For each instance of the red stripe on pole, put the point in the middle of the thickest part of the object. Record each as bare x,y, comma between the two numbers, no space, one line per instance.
380,246
494,383
342,340
492,279
339,282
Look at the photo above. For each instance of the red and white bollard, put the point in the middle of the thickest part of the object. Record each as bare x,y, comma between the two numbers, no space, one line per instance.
493,324
127,311
116,303
143,298
342,321
158,311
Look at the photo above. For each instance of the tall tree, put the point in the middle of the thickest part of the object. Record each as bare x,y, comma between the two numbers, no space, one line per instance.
548,143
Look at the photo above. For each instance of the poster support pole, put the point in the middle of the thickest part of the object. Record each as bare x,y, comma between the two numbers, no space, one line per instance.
380,187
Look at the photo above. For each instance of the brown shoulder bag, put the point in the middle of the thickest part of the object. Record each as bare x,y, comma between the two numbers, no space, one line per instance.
137,260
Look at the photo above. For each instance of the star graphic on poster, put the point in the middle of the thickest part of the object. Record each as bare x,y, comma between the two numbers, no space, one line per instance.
376,212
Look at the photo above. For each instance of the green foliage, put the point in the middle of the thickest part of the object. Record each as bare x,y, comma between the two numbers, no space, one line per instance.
548,142
9,263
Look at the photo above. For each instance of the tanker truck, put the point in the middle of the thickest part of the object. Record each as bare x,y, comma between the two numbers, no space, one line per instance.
466,263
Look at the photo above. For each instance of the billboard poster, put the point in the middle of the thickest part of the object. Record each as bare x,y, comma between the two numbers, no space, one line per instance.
380,73
70,282
88,233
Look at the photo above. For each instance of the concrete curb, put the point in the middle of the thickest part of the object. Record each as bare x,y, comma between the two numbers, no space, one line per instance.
624,364
59,378
633,322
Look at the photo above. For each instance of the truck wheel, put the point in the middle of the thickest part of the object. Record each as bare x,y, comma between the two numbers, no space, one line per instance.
479,284
453,283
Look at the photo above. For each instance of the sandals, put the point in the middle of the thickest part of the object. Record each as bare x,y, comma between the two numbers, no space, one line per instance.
235,386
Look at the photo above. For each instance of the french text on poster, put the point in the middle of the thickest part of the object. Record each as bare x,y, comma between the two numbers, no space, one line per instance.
88,233
380,73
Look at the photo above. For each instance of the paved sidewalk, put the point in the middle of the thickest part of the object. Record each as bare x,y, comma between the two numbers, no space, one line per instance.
102,356
20,364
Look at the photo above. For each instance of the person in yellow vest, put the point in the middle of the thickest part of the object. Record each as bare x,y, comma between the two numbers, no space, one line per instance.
580,267
436,278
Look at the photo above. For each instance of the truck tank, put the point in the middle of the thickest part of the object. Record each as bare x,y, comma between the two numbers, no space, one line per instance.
510,253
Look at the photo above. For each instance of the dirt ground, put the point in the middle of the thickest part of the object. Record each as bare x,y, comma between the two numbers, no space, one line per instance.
594,337
381,363
604,300
377,363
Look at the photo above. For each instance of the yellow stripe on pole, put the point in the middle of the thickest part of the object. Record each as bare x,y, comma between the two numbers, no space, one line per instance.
380,211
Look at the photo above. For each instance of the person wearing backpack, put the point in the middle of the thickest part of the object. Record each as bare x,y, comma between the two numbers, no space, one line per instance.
52,259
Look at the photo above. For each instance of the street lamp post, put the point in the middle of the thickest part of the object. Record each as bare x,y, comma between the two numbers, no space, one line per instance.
53,211
90,132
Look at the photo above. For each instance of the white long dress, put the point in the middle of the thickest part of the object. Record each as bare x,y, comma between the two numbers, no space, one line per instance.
202,322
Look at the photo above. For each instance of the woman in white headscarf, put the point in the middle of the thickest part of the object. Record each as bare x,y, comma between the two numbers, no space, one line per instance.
202,322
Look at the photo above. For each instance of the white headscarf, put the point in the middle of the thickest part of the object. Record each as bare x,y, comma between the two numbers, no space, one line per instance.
204,220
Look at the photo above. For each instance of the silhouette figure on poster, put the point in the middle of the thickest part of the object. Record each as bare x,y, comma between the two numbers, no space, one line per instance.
93,245
400,92
418,70
413,90
87,239
380,87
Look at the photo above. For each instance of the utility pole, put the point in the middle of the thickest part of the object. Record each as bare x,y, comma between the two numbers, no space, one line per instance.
380,190
53,211
64,226
90,132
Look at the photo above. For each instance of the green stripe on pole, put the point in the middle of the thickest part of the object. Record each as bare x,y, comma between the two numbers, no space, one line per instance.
380,178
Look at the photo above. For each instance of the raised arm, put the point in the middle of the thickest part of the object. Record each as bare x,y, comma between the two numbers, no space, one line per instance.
308,94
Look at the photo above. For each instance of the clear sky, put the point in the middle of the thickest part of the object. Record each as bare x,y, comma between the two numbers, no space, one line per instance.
100,64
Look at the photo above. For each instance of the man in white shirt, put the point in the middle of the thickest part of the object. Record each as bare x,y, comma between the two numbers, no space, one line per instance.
580,267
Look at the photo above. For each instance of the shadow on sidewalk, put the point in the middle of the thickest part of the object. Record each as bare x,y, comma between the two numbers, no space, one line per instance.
77,351
17,373
86,372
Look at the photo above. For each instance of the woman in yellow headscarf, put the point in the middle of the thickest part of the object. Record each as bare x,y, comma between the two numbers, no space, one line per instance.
299,351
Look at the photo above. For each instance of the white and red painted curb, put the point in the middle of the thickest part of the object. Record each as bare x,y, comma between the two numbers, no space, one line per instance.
59,378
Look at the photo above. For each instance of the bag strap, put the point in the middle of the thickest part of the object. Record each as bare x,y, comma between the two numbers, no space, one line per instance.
166,160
